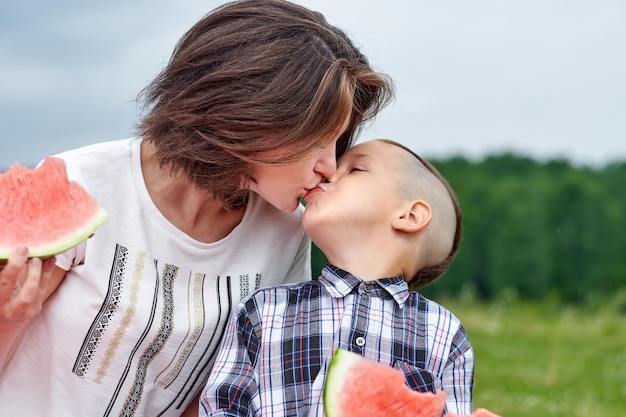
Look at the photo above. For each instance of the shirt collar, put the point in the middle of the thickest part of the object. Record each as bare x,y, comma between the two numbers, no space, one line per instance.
340,283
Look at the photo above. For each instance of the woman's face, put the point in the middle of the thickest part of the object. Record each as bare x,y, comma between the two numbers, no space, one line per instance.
283,185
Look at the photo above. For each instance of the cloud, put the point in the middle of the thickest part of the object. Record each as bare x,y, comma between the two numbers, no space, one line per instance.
543,78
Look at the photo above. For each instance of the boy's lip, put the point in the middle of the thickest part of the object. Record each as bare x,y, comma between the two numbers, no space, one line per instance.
312,191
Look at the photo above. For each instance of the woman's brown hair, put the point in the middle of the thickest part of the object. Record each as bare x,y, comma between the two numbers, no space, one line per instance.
252,77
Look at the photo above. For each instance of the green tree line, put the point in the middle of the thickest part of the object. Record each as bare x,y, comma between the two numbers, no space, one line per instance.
538,229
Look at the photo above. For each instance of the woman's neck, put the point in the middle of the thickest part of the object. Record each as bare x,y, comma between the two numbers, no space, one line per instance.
193,211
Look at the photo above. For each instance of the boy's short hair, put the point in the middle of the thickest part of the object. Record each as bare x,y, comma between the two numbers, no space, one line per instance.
430,273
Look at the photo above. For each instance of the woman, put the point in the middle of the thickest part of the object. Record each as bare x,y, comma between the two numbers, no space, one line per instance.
257,101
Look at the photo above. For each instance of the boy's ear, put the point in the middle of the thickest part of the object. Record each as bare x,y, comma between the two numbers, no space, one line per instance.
415,216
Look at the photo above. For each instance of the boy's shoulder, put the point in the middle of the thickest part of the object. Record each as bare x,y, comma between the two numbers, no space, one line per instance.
281,292
435,311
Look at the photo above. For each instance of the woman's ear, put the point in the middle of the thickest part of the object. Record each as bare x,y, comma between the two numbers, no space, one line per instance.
415,216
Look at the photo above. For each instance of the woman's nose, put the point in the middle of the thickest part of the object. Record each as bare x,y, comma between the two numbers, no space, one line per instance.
326,164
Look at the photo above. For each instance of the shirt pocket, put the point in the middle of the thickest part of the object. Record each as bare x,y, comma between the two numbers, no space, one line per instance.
419,379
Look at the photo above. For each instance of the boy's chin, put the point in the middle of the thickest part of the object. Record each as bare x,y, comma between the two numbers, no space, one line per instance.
308,221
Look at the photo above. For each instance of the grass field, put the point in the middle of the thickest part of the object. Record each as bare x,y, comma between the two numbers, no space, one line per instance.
546,359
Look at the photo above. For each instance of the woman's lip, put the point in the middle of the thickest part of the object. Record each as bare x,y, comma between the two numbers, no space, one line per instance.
311,192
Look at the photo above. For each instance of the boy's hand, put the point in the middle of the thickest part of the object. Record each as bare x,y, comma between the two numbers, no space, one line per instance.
23,285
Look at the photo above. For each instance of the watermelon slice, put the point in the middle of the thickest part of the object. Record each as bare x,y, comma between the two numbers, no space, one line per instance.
40,208
357,386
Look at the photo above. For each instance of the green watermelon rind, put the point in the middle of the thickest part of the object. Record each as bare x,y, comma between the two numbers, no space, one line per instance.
338,373
60,245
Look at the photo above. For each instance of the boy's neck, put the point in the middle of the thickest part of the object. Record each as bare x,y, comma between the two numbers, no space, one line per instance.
367,263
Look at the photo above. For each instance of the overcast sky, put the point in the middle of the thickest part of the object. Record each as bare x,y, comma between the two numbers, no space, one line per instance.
544,78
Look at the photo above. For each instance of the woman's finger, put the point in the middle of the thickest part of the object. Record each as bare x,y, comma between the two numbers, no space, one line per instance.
29,289
12,273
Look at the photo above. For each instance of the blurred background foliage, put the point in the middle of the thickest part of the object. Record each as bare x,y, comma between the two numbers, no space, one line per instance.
539,284
538,230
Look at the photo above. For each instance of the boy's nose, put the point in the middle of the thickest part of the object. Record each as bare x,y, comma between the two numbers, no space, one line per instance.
331,178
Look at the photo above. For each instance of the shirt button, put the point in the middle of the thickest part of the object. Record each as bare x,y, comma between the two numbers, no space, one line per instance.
360,341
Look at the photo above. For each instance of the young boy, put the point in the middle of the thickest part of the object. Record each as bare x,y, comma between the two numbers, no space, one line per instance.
387,221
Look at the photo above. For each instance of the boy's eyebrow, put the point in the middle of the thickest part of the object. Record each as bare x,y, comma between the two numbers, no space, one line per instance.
360,155
351,158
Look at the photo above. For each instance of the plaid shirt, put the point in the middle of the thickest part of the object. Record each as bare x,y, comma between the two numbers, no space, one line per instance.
279,342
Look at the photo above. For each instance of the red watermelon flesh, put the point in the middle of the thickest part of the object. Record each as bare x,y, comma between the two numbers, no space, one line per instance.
357,386
40,208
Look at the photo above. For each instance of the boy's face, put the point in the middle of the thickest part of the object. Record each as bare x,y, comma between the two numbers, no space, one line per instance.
359,199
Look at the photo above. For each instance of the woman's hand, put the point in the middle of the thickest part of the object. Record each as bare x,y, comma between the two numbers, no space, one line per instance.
23,286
